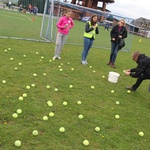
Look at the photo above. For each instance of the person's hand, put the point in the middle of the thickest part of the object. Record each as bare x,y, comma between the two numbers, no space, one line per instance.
95,26
113,39
120,36
66,26
127,72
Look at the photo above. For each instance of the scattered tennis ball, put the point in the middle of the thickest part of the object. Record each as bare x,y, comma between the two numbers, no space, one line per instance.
24,94
50,104
50,60
90,67
79,102
61,129
14,115
117,116
45,118
19,111
20,64
35,132
92,87
97,129
34,74
17,143
86,142
24,56
55,89
80,116
103,76
42,57
48,86
94,71
61,69
9,49
128,91
20,98
124,71
112,91
71,86
141,134
11,58
3,81
62,64
72,69
65,103
33,85
5,50
15,68
44,74
68,63
51,114
59,66
117,102
28,87
37,53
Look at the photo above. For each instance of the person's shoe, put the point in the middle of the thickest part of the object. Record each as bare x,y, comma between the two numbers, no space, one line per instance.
112,65
54,58
129,88
59,58
83,62
86,62
109,63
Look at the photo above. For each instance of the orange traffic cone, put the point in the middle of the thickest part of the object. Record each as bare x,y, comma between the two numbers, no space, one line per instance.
32,19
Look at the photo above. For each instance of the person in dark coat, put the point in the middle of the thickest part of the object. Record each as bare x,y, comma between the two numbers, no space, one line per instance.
141,72
118,31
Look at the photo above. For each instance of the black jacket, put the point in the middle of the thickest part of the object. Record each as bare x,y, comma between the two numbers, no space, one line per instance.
142,68
115,33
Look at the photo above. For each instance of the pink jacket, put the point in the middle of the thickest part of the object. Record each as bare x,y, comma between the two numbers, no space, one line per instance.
62,22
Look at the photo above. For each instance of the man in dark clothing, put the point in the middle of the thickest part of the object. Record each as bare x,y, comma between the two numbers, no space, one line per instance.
142,71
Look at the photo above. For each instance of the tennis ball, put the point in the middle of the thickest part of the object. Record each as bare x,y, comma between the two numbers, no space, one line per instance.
42,57
19,111
24,56
50,60
68,63
117,102
20,98
61,129
28,87
55,89
112,91
48,87
94,71
11,58
35,132
86,142
34,74
51,114
79,102
72,69
124,71
44,74
20,64
14,115
17,143
92,87
71,86
15,68
9,49
90,66
128,91
24,95
5,50
141,134
61,64
65,103
33,85
3,81
97,129
37,53
117,116
80,116
45,118
61,69
103,76
49,103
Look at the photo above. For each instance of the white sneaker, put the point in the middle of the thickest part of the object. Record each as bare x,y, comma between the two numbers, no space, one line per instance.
59,58
54,58
83,62
86,62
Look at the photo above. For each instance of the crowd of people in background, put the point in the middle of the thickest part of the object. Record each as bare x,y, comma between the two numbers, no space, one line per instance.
32,9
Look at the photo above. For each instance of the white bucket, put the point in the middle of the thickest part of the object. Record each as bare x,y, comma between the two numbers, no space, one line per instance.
113,77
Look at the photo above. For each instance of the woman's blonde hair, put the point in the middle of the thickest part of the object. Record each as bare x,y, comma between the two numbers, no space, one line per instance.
123,21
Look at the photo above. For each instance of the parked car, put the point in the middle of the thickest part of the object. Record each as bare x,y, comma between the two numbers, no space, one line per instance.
85,19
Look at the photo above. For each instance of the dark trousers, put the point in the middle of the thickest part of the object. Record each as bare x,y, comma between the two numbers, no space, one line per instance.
139,81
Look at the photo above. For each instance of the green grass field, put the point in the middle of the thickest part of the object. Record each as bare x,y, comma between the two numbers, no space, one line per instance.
98,105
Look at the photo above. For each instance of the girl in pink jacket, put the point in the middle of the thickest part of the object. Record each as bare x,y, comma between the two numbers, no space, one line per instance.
64,24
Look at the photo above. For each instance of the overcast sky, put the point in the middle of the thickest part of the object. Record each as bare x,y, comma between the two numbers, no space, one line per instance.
131,8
